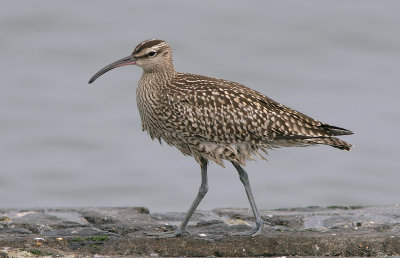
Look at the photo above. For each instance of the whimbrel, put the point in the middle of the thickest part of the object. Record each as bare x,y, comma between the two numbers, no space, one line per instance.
214,120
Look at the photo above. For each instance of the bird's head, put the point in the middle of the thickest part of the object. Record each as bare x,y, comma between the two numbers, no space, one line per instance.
153,55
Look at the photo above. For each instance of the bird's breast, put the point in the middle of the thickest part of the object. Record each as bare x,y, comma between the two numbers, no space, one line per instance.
148,106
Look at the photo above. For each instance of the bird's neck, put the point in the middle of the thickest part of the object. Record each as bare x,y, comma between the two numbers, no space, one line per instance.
157,79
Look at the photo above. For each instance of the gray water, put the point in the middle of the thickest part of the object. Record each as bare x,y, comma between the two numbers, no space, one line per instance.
65,143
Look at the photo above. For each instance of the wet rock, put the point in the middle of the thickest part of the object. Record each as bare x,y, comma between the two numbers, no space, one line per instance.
310,231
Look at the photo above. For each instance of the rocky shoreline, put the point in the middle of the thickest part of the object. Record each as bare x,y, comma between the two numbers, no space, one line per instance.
120,231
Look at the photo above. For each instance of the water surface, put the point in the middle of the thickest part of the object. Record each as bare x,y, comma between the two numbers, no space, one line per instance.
65,143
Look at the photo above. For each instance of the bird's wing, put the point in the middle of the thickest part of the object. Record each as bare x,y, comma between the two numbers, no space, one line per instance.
224,111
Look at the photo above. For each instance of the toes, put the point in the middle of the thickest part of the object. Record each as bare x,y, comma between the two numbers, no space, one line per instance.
175,233
169,235
245,233
252,232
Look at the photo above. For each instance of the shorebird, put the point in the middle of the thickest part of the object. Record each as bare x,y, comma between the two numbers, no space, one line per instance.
214,120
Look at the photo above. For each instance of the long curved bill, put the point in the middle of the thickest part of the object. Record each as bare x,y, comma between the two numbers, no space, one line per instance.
129,60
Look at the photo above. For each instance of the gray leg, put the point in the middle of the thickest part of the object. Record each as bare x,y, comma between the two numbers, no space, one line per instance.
259,221
202,192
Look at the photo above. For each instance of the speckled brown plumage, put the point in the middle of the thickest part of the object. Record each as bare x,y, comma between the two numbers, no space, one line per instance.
214,119
218,119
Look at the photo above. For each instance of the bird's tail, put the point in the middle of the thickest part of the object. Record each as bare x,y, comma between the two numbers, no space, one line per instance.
336,130
331,141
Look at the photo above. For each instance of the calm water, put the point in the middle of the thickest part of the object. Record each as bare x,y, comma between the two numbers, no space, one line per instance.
65,143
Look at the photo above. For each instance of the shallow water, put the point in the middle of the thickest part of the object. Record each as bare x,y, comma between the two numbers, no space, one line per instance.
65,143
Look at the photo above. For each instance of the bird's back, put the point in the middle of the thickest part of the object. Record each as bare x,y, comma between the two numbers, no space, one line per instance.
218,119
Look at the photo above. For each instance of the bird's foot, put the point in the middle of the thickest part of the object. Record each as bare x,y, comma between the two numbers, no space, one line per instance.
177,232
252,232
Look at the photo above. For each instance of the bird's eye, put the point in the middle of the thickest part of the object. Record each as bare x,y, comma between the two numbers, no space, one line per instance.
152,53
